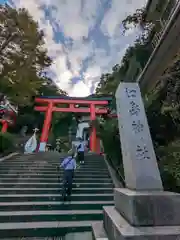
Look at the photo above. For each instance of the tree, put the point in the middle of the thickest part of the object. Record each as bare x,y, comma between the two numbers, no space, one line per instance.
48,88
109,82
138,19
23,57
28,116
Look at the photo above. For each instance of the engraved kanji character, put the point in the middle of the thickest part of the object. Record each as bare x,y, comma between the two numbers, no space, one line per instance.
130,92
135,109
137,126
142,152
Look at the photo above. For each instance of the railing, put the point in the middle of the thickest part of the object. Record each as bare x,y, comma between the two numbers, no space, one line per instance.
116,169
165,17
156,38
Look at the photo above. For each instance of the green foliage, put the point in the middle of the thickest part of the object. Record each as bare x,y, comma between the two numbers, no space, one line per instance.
60,124
6,143
110,81
169,162
50,89
22,55
108,132
111,141
27,116
170,80
137,18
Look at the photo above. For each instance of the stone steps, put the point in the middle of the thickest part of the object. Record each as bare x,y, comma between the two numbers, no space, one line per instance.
53,205
53,215
53,185
42,171
80,175
53,190
42,238
42,229
47,175
50,170
54,197
53,179
53,169
30,196
48,161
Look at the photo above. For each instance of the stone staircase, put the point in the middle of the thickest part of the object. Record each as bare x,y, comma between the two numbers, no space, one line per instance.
30,196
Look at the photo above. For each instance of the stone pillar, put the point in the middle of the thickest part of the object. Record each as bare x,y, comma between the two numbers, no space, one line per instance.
139,159
142,210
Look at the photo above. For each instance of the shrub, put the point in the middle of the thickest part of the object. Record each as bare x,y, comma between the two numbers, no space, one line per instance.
6,142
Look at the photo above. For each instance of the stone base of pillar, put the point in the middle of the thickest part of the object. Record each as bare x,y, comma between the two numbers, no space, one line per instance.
142,215
151,208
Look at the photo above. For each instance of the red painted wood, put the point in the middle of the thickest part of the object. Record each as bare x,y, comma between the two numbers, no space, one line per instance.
4,125
47,123
93,132
78,110
100,102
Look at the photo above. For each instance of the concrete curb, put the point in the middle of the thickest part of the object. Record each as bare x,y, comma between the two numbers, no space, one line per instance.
8,156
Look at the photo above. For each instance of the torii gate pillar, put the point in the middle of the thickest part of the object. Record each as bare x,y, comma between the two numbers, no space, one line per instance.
4,126
93,133
46,128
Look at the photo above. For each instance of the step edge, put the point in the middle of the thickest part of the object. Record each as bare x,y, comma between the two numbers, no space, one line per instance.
52,203
48,212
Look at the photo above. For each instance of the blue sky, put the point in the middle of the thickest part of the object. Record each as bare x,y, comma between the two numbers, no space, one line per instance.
2,1
84,38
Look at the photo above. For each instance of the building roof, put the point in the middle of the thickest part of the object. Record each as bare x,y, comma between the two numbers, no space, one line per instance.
148,5
151,4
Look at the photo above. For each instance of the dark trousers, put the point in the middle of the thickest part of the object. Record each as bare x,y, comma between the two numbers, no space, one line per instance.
67,182
80,156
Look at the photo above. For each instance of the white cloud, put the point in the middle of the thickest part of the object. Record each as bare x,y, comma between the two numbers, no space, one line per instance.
75,21
117,13
80,89
63,75
91,76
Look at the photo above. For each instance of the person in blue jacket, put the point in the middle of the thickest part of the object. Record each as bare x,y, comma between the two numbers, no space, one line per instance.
69,165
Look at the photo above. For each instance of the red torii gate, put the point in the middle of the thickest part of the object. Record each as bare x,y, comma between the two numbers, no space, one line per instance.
4,125
7,121
51,107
